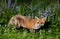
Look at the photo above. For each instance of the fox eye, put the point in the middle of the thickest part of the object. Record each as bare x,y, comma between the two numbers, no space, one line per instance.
37,22
41,22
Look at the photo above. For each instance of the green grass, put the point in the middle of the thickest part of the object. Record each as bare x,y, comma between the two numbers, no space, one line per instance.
50,31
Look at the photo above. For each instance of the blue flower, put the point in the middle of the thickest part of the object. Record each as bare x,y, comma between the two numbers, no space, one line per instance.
11,5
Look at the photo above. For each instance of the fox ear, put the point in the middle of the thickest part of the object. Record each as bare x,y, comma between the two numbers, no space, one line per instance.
36,17
44,18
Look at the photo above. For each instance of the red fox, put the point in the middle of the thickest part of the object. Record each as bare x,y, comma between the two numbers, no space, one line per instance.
26,22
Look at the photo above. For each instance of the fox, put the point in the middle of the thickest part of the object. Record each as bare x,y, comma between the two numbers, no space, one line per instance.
26,22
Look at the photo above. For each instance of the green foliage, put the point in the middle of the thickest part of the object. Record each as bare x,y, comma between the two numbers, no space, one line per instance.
25,7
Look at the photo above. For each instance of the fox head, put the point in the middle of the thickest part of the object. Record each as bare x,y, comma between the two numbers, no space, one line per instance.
39,22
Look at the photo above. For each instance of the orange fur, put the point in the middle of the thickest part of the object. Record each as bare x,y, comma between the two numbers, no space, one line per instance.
26,22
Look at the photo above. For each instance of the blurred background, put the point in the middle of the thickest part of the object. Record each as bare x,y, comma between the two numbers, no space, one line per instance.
30,8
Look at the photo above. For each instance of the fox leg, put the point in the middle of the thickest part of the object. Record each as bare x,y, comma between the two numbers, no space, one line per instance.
32,30
18,25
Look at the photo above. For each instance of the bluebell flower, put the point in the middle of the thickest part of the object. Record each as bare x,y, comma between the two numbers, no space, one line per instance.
45,14
11,4
48,10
